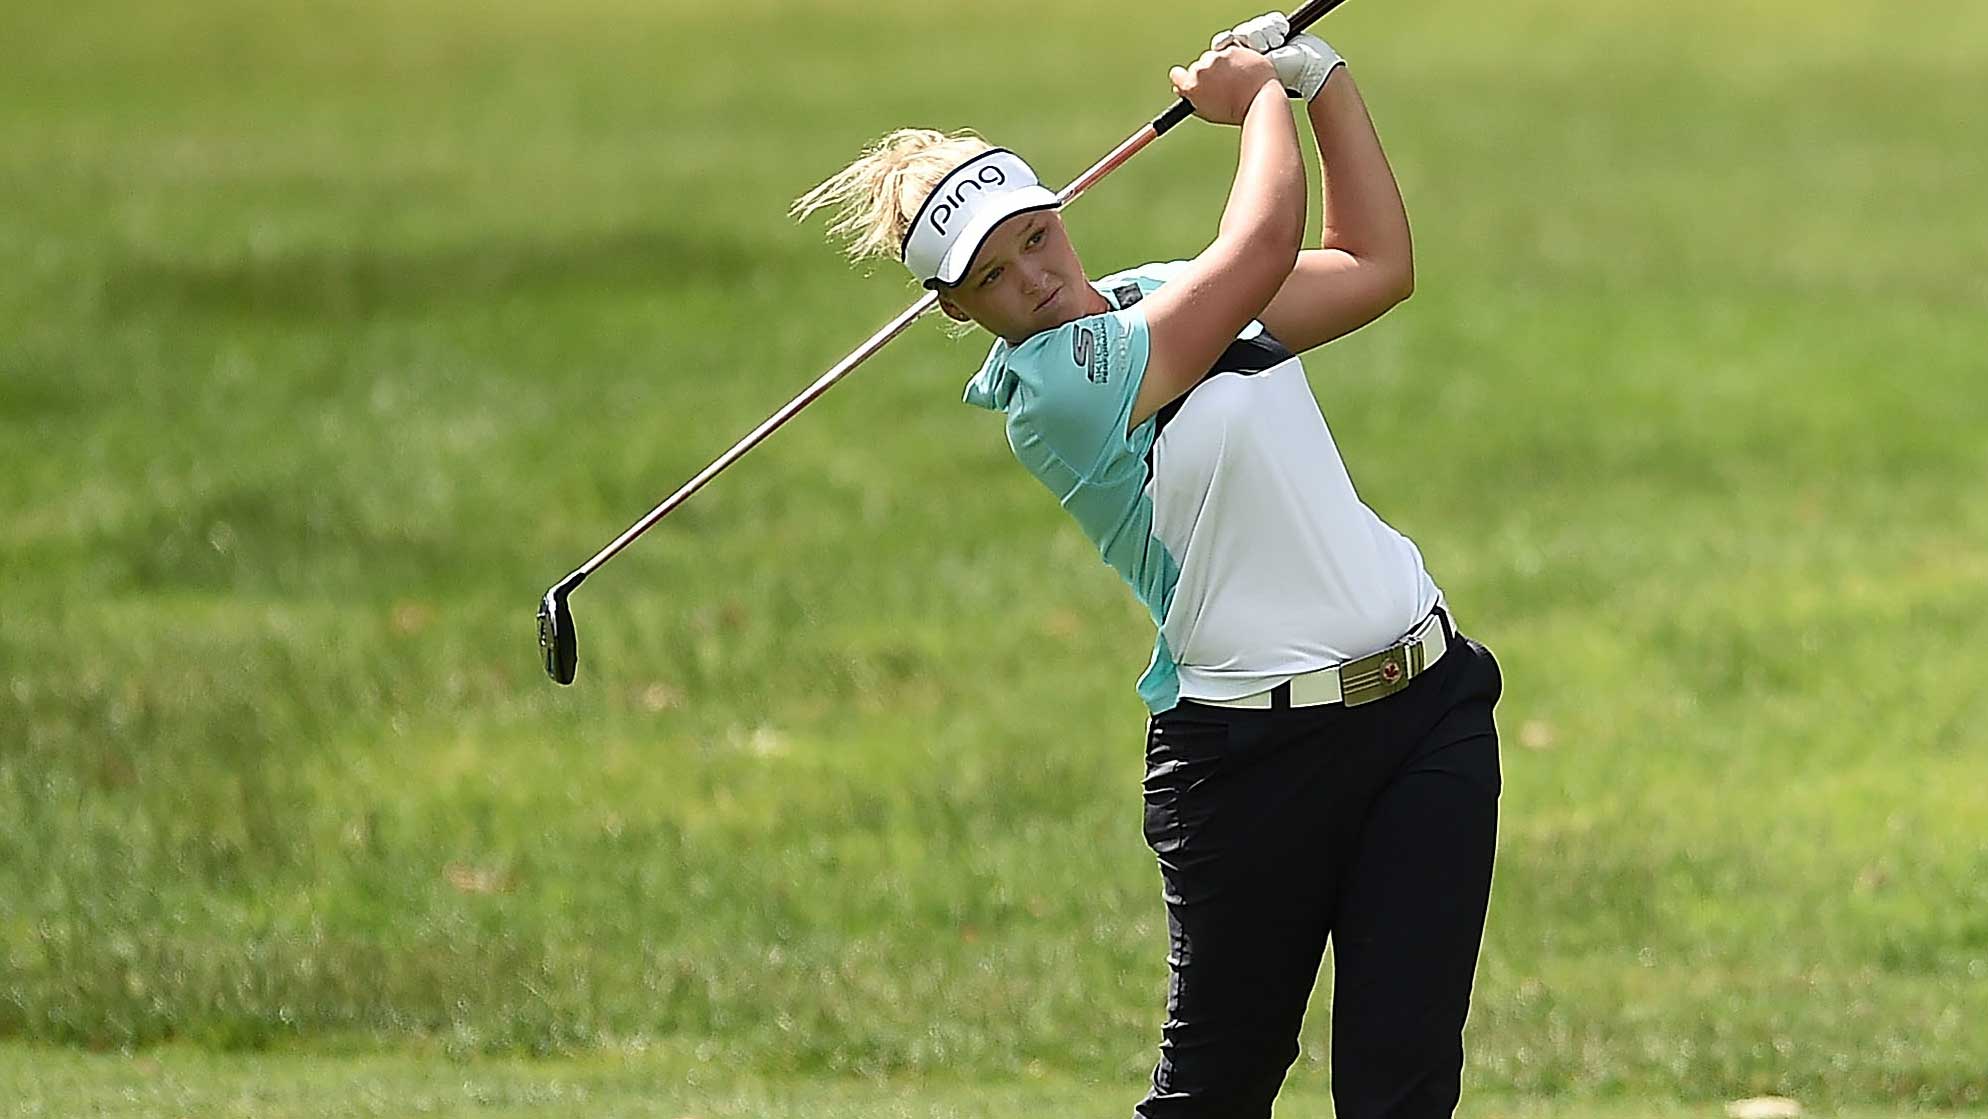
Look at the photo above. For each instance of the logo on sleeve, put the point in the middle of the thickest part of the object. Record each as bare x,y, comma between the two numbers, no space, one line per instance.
1089,355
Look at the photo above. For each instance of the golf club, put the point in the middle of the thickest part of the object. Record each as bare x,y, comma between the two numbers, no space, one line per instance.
557,640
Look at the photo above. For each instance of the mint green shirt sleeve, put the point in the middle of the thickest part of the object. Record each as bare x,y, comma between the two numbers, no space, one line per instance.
1075,387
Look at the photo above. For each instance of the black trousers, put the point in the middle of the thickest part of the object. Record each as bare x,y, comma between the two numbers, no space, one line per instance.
1374,825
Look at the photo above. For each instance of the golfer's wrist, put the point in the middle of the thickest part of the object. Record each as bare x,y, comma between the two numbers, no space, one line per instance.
1326,83
1306,64
1339,66
1334,99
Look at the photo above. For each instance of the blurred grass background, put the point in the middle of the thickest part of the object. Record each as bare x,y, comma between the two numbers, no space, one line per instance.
331,333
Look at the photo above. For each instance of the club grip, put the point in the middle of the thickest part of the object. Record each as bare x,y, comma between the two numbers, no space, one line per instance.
1302,18
1311,13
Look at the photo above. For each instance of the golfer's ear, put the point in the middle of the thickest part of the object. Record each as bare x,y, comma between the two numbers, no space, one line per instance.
952,310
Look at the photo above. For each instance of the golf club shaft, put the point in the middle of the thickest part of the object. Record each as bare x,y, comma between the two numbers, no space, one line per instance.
808,396
1129,147
826,381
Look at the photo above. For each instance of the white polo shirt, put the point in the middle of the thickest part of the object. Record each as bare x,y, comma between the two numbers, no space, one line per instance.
1230,512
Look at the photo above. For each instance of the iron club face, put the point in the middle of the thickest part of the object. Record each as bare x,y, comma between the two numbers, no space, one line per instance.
557,642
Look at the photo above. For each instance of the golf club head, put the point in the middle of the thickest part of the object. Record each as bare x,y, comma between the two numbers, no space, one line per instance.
557,642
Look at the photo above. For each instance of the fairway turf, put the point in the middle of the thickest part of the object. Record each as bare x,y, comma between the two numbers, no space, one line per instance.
331,334
173,1083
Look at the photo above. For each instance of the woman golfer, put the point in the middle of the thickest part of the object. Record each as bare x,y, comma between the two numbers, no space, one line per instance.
1321,759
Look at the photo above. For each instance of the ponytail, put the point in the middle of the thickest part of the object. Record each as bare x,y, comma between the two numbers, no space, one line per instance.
877,196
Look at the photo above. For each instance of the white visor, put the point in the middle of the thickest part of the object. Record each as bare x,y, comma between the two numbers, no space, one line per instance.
955,220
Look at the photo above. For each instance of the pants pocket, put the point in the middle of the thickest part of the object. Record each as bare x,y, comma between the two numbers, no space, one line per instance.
1183,748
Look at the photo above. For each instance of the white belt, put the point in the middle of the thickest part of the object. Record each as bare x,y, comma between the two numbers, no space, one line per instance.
1359,681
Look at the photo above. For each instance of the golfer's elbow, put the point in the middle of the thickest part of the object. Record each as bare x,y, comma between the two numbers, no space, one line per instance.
1276,250
1260,260
1382,288
1277,257
1395,282
1283,237
1270,246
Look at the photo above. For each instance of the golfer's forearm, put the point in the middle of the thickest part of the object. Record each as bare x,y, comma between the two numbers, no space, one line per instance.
1362,211
1266,208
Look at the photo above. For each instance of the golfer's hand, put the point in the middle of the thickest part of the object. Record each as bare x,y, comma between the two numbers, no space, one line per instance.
1303,62
1263,34
1222,84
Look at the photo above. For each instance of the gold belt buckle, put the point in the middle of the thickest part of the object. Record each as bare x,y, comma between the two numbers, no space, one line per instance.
1380,675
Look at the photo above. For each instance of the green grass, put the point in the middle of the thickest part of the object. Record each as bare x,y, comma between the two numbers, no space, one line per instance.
609,1086
330,334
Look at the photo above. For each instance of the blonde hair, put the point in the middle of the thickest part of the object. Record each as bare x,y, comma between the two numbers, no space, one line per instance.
878,195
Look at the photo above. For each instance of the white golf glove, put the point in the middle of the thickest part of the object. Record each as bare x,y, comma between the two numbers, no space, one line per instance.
1303,63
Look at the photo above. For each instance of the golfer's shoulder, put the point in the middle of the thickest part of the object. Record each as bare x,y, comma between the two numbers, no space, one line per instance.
1092,346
